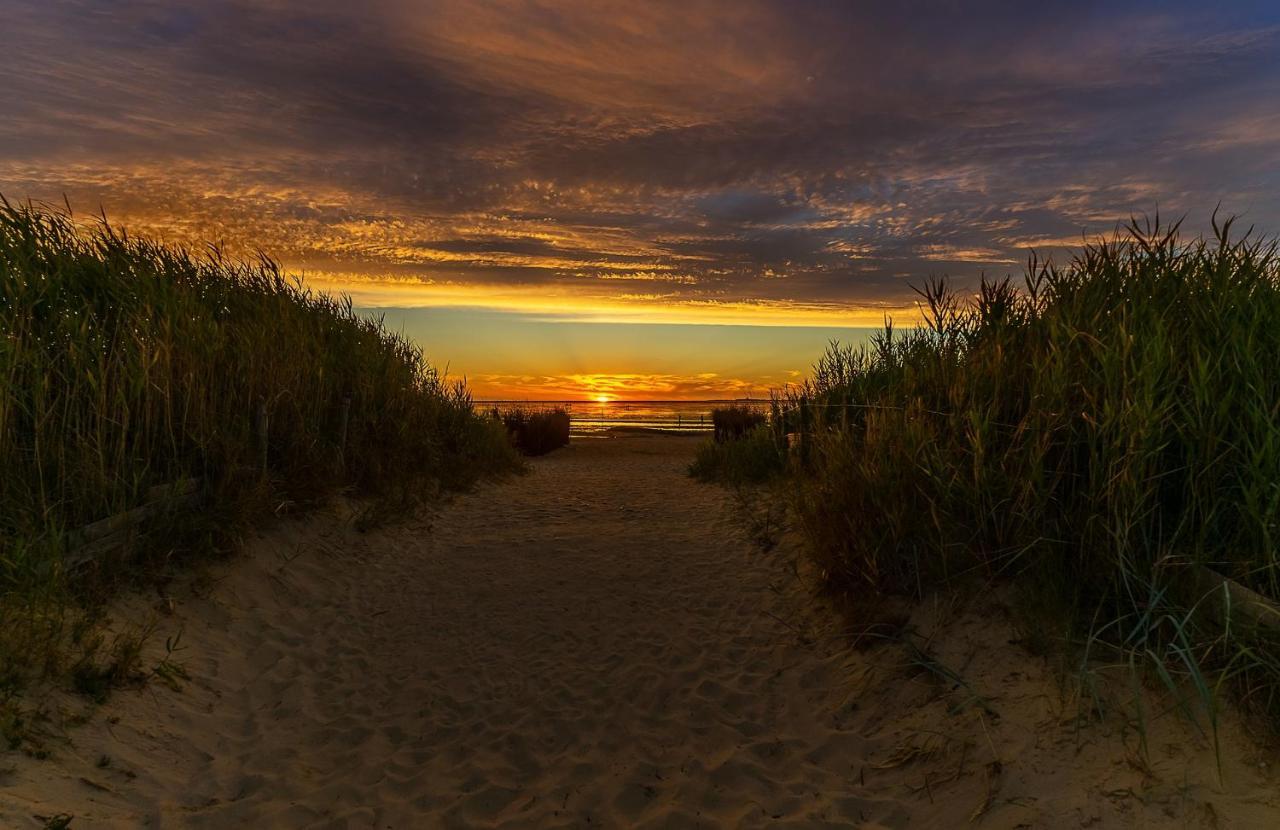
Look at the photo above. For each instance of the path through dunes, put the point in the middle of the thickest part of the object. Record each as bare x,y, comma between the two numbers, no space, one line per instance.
594,644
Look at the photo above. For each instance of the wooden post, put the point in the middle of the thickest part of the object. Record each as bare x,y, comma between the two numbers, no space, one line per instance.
1228,595
262,434
804,430
342,430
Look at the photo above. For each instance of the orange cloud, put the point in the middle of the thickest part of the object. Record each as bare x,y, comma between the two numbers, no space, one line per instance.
620,387
585,306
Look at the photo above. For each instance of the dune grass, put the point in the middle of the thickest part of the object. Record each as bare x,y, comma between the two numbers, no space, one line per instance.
753,457
733,422
536,432
1097,435
125,364
742,451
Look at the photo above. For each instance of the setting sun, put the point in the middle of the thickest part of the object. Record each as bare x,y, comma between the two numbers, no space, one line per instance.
705,413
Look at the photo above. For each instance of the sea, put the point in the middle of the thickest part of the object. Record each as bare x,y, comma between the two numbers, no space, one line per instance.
664,416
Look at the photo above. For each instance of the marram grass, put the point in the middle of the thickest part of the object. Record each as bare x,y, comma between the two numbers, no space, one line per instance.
749,458
1096,435
536,432
126,364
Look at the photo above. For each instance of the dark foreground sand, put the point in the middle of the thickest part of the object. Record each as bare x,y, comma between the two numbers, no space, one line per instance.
596,644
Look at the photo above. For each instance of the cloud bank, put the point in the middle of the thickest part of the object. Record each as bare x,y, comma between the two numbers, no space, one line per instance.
700,159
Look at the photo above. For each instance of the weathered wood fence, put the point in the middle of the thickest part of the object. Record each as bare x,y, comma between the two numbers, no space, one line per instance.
105,535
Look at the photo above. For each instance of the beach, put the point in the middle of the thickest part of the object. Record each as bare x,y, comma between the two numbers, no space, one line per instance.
599,642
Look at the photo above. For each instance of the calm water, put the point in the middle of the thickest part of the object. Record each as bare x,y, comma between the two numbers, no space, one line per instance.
590,416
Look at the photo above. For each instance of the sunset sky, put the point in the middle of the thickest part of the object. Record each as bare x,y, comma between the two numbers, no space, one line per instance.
683,199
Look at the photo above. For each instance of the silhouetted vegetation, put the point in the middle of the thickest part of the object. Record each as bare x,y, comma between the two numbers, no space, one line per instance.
125,365
734,422
537,433
753,458
1099,435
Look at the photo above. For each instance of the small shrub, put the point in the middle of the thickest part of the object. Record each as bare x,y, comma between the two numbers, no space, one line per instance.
753,458
537,433
734,422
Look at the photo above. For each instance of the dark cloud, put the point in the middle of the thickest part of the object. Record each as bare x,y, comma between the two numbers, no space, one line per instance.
823,152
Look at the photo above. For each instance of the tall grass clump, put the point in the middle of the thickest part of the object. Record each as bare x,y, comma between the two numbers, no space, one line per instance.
754,457
126,364
537,433
733,422
1104,433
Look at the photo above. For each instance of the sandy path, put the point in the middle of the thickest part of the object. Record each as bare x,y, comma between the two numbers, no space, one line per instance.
594,644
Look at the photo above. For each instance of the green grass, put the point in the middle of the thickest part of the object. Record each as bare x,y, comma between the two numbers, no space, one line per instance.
752,458
1092,435
125,364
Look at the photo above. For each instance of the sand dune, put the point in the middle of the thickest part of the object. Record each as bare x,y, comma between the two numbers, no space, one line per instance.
597,644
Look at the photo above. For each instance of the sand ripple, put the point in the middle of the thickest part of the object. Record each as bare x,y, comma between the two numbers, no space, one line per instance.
594,644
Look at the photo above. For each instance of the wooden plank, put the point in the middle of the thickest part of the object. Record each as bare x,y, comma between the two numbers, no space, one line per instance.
83,555
105,535
116,523
157,498
1241,601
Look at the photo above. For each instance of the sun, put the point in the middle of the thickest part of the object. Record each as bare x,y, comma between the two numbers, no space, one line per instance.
602,398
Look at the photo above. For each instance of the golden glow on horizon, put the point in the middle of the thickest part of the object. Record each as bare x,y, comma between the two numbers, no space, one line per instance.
557,301
614,388
737,166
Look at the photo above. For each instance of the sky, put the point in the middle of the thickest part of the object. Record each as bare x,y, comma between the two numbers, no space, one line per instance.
661,199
